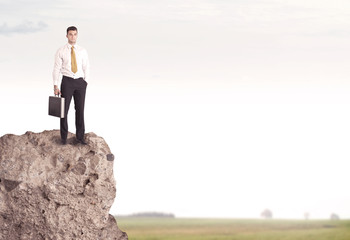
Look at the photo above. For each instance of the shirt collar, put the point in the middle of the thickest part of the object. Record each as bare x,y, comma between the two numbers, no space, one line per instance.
70,46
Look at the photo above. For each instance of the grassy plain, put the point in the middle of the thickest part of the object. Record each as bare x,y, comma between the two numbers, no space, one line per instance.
233,229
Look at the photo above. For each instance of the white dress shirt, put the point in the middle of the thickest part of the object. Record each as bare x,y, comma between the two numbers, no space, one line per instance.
63,63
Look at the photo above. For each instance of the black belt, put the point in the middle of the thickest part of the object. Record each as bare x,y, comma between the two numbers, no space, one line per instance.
72,78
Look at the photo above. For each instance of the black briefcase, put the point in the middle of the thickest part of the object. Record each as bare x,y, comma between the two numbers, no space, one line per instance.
56,106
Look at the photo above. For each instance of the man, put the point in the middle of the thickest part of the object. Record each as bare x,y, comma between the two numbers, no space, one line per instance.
72,62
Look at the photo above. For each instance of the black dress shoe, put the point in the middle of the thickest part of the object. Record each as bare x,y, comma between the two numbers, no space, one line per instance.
63,141
82,142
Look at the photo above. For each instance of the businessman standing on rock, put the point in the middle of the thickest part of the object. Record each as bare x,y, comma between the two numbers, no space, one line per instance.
72,62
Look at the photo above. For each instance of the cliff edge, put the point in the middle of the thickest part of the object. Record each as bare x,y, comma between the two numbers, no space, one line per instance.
54,191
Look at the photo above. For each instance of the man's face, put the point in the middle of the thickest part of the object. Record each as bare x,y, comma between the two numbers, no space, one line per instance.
72,37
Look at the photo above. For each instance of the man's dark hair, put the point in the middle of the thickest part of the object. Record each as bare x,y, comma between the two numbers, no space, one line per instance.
71,28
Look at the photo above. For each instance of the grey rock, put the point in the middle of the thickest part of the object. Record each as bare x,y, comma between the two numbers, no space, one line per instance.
110,157
54,191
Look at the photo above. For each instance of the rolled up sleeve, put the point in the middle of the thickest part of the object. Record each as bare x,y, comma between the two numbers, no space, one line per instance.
57,68
86,66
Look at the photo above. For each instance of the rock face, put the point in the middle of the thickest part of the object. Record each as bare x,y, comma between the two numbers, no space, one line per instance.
54,191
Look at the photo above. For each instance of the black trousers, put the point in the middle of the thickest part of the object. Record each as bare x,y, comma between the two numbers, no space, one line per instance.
75,88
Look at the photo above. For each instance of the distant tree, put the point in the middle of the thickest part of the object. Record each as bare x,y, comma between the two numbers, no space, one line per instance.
306,215
153,214
267,214
334,216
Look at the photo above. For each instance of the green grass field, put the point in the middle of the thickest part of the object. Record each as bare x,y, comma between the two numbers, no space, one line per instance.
233,229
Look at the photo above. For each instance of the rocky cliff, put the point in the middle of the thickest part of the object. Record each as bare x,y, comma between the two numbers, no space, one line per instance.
54,191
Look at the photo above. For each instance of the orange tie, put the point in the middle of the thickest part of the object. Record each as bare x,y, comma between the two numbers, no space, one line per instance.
73,61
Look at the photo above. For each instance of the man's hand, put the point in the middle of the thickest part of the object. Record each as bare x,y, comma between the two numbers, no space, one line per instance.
56,90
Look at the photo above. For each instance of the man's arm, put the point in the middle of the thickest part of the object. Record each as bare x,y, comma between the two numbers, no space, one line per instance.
86,66
56,72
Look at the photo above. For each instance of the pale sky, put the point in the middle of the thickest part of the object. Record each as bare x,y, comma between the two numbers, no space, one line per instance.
212,108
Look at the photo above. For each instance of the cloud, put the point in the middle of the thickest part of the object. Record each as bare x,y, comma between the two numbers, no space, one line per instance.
23,28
